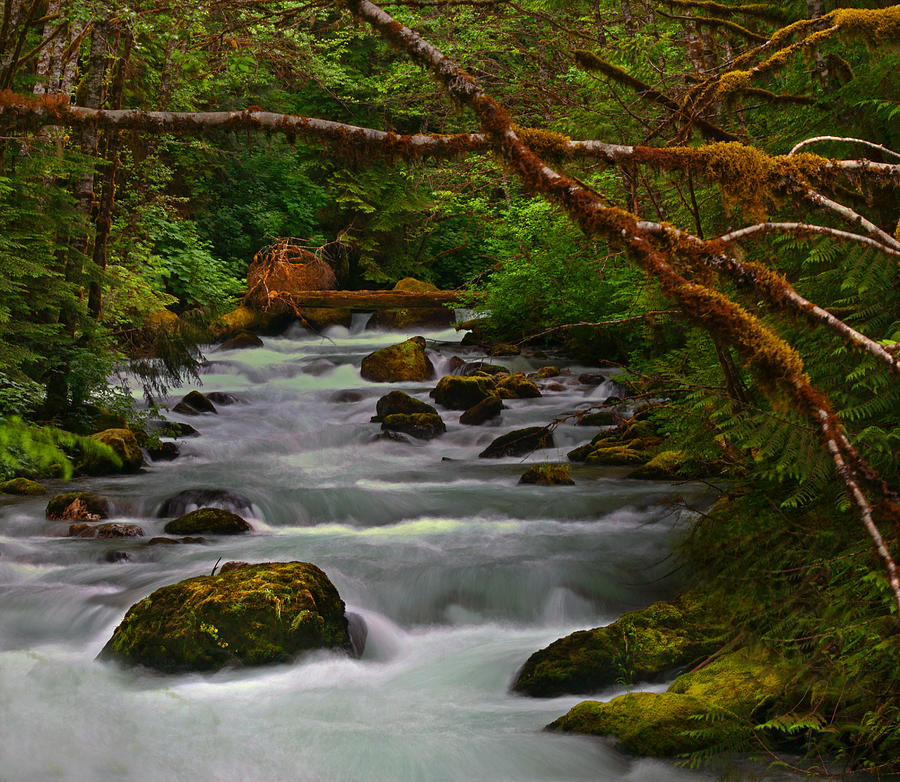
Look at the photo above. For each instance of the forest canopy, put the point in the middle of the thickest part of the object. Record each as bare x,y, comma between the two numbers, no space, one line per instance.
704,193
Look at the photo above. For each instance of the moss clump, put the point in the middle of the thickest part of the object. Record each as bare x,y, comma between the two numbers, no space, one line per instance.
213,520
519,443
548,475
643,645
461,393
400,403
22,486
260,614
544,372
423,426
124,445
405,361
600,418
77,506
505,350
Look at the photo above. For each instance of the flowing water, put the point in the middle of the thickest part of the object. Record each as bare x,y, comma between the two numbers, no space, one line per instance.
459,573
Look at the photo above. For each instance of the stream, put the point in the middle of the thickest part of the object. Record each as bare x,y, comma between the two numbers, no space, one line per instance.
459,573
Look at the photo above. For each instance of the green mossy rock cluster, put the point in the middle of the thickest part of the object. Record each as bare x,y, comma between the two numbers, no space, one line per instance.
400,403
519,443
126,456
215,521
463,392
404,362
254,615
78,506
631,442
672,465
422,426
547,475
549,371
643,645
22,486
722,704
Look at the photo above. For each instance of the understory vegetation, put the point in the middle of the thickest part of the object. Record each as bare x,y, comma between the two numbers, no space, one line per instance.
119,246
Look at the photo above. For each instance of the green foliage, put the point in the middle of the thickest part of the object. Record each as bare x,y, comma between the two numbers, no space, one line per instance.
43,451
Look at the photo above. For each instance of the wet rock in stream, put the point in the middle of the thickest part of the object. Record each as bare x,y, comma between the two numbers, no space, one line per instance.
191,499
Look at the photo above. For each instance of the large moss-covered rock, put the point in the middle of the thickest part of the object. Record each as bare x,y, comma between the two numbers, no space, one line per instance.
213,520
658,725
405,361
22,486
124,445
254,615
519,443
400,403
643,645
423,426
78,506
716,705
461,393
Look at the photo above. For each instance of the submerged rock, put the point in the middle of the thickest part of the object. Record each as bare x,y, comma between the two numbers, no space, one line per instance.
213,520
191,499
548,475
644,645
519,443
22,486
241,341
124,445
222,398
482,412
78,506
423,426
405,361
461,393
109,530
164,452
399,402
254,615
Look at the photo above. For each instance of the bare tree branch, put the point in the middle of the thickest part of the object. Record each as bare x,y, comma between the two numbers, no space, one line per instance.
817,139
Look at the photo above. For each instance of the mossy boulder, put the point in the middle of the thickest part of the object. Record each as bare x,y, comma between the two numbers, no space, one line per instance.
726,697
544,372
423,426
600,418
243,319
547,475
22,486
412,285
504,349
519,443
254,615
516,386
413,317
213,520
323,317
482,412
659,725
403,362
400,403
460,393
673,465
78,506
124,445
644,645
